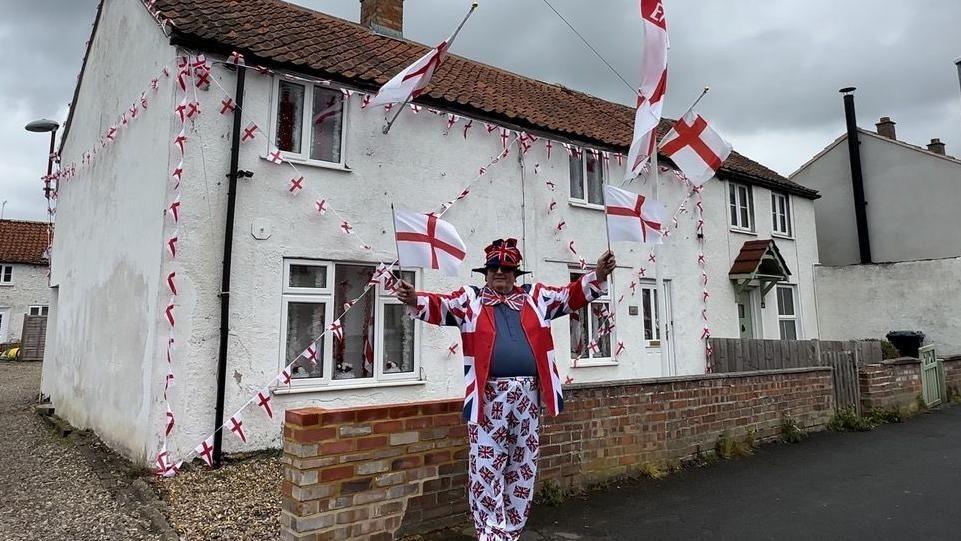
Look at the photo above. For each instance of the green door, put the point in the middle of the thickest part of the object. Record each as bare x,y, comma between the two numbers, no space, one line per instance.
932,377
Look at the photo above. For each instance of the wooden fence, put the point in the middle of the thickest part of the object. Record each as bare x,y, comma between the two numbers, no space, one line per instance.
33,338
737,355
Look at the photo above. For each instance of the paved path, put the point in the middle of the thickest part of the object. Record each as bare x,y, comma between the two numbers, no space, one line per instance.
50,488
899,481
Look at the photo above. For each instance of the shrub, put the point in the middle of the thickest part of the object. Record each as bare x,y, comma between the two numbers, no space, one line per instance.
791,431
550,494
880,416
847,420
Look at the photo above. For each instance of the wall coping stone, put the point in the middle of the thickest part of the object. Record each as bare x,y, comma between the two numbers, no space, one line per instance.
901,360
696,377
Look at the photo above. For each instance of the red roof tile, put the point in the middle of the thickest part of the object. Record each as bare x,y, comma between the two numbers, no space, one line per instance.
23,242
277,33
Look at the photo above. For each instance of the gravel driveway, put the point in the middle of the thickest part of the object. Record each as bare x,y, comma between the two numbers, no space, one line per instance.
49,487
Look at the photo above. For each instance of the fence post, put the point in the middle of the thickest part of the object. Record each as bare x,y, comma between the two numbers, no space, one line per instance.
817,351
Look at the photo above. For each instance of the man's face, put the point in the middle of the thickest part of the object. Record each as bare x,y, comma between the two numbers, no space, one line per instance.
501,279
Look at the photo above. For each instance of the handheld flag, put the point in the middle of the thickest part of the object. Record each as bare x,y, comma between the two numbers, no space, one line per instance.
696,147
650,95
632,217
424,240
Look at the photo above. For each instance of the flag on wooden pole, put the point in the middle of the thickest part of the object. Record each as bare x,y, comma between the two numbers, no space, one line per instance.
426,241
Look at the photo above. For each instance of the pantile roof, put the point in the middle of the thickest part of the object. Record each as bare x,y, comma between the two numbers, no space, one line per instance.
23,242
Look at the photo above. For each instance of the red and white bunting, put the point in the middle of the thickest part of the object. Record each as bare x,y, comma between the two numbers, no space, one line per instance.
346,227
170,422
311,354
171,285
227,105
275,156
296,185
250,132
236,425
206,451
337,330
321,205
548,146
285,376
467,127
263,400
236,58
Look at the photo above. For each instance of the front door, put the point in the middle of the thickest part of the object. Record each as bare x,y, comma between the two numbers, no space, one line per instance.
745,314
4,323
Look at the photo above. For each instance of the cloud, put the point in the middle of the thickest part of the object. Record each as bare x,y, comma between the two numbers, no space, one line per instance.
774,67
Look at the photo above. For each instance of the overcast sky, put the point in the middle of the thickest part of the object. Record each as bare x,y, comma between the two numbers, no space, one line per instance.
774,66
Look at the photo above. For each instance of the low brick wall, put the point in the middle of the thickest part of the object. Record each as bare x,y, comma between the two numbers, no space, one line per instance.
895,383
380,472
952,375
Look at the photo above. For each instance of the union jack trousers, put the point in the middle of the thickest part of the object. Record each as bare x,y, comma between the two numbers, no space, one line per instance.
503,458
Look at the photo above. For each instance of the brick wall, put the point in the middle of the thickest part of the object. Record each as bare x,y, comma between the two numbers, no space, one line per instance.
890,384
380,472
952,373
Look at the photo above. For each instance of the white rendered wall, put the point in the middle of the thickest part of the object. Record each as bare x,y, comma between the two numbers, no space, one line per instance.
868,301
29,288
416,167
912,198
102,356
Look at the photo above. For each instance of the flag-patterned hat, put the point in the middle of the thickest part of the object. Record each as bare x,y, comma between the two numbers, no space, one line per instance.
502,253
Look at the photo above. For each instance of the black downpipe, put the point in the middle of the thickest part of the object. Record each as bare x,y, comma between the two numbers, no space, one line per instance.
225,279
857,181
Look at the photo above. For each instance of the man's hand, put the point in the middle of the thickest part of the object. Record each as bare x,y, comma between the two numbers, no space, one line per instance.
605,265
406,294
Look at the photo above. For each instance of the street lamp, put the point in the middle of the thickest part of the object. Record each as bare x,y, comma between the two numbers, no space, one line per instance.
41,126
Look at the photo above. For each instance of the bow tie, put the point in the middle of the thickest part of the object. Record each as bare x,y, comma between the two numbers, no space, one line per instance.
514,300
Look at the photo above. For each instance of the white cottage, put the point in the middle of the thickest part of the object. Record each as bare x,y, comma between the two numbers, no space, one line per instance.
23,275
293,267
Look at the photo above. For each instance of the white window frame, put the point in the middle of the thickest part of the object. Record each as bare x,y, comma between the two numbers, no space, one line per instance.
787,215
734,214
653,305
588,360
3,273
796,317
585,201
40,309
325,295
303,157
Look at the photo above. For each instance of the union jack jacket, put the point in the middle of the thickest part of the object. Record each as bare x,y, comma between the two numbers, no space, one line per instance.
463,309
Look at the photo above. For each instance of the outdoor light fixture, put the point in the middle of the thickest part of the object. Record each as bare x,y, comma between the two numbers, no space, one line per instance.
41,126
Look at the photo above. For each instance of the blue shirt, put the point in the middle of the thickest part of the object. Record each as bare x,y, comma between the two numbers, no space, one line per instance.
512,355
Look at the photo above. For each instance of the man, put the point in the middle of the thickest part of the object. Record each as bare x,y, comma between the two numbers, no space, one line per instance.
508,358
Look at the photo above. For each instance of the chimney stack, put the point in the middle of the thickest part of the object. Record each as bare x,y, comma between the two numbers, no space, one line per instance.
936,146
886,128
383,16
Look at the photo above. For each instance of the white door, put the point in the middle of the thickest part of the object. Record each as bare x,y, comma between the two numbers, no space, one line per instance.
745,314
4,323
669,329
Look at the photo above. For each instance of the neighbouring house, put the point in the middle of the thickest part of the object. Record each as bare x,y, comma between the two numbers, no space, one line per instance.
23,275
887,235
293,267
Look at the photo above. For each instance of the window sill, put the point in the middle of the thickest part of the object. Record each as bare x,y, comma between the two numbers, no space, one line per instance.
585,205
315,163
7,284
743,231
594,363
343,387
782,236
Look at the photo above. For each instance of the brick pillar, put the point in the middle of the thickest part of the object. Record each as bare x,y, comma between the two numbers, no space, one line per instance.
373,473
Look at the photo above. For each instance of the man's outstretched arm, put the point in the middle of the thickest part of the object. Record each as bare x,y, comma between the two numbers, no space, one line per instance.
435,308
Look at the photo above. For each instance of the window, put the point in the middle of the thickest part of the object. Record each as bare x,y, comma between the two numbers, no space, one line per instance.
378,338
787,312
587,177
38,310
591,328
742,206
652,317
781,213
309,122
6,274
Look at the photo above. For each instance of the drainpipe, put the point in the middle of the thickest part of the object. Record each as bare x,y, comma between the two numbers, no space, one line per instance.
957,62
225,275
857,181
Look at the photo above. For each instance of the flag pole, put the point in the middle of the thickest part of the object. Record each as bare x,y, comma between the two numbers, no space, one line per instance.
450,42
393,224
689,109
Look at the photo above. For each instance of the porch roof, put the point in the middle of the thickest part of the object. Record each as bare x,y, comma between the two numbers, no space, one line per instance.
759,258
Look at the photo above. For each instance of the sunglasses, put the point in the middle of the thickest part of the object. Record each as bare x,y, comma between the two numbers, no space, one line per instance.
502,268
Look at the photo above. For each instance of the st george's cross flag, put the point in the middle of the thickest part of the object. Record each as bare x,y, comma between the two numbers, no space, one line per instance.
696,147
650,95
413,80
632,217
426,241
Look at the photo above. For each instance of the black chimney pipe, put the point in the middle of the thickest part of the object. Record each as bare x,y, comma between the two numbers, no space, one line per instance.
857,181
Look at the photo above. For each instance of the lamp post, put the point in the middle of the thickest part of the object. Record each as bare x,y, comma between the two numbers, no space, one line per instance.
41,126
